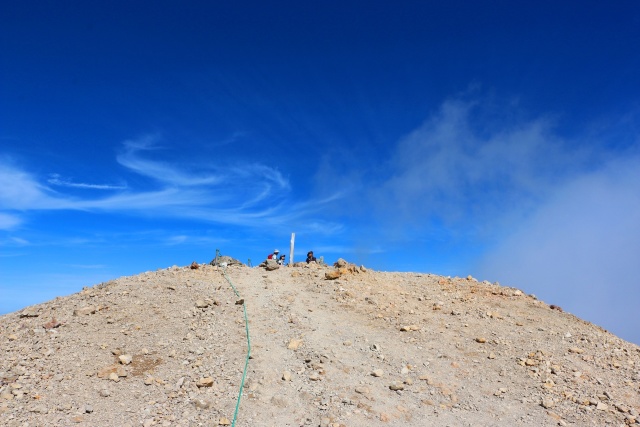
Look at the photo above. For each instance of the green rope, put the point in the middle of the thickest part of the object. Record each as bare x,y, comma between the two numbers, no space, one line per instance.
246,363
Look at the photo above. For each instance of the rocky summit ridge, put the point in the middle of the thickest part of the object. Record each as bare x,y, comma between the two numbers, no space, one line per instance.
330,346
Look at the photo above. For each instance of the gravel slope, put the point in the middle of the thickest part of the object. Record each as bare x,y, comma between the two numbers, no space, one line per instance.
168,348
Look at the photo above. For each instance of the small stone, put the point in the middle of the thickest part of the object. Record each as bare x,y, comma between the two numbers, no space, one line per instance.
84,311
30,312
205,382
40,409
409,328
602,406
294,344
88,408
481,340
362,390
332,275
114,377
202,403
286,376
202,303
224,421
576,350
547,403
120,371
396,385
491,356
13,337
377,372
105,393
622,408
125,359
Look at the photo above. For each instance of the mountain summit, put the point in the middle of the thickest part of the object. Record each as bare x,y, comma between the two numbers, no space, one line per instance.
343,346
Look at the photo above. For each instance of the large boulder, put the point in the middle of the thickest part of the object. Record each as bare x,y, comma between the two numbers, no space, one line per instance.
271,264
224,259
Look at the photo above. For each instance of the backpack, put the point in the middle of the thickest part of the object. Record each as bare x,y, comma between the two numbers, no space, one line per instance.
270,256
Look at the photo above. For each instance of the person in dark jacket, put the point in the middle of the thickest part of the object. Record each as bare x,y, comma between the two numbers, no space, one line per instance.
310,257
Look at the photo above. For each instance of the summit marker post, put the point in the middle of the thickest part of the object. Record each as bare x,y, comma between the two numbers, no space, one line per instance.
293,240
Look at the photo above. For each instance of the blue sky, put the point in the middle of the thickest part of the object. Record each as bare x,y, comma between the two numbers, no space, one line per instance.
494,139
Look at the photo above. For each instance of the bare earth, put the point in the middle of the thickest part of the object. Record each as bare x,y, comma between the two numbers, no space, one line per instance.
168,348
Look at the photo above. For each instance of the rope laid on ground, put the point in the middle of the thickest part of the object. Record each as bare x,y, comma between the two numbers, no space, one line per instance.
246,363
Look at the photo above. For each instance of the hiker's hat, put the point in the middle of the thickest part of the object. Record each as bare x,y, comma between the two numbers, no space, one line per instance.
276,251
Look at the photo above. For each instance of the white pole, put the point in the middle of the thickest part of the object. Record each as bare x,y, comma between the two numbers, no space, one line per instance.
293,239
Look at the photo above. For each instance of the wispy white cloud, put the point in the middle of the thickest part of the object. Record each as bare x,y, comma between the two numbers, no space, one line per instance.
21,191
248,194
56,179
176,240
164,172
88,266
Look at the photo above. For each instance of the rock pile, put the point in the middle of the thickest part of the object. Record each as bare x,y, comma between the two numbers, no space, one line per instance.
343,267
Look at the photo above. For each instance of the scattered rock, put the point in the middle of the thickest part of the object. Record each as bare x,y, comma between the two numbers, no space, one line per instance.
52,324
362,389
332,275
125,359
271,265
84,311
30,312
205,382
396,385
202,303
202,403
547,403
294,344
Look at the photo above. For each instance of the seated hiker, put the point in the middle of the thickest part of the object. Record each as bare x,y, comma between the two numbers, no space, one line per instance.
281,260
310,257
274,255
